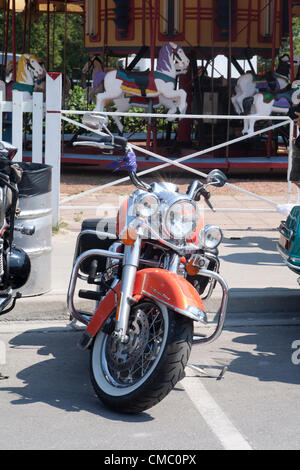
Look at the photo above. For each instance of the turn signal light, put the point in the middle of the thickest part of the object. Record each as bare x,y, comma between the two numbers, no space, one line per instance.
191,269
129,236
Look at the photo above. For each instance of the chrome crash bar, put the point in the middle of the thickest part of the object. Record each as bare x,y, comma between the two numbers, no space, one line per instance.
223,307
81,316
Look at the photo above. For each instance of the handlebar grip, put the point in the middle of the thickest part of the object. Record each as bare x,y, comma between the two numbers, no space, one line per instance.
93,271
205,193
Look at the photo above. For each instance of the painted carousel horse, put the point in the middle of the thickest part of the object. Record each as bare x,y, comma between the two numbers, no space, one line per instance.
28,71
250,84
121,86
40,82
266,103
94,66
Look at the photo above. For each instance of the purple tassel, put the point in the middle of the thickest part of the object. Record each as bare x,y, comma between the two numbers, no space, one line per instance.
127,163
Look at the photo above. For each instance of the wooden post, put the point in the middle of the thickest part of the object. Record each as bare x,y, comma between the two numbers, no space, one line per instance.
53,136
17,123
37,127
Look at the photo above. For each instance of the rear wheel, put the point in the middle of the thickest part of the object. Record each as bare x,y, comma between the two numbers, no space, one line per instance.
135,376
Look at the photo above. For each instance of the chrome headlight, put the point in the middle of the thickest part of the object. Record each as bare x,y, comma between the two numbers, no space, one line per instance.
181,218
210,236
146,205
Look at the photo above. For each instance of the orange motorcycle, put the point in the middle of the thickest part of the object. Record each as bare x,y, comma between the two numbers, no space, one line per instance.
150,275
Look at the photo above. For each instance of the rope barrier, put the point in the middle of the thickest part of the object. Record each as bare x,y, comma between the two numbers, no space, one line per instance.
178,162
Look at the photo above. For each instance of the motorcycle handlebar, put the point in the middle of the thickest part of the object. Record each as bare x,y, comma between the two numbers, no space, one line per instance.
196,188
108,142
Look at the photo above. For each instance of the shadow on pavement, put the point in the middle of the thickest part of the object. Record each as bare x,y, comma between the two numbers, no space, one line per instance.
59,376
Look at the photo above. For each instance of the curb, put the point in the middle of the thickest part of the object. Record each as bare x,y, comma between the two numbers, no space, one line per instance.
258,303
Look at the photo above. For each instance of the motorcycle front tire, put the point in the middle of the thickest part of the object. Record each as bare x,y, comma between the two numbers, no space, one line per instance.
165,371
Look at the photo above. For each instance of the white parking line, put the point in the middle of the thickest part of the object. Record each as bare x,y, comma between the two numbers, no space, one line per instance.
218,422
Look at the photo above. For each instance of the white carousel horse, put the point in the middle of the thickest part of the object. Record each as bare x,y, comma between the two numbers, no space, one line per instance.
250,84
123,104
120,86
28,71
265,103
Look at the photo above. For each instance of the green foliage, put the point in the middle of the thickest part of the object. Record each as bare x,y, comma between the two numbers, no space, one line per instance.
66,41
264,64
77,101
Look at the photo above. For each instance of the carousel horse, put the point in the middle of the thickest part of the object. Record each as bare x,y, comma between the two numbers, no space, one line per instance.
266,103
40,82
250,84
94,65
9,71
28,71
121,86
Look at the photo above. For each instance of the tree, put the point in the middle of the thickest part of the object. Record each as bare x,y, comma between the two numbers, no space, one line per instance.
264,64
67,51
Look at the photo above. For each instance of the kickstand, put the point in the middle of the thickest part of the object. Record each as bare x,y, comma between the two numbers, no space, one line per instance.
208,374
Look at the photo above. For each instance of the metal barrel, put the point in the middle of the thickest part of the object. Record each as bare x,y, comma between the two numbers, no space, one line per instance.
35,204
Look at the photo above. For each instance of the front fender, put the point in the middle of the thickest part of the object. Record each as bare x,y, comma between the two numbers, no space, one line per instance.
170,289
163,286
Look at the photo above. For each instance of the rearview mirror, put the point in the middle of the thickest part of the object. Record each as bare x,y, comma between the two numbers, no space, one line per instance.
94,121
216,178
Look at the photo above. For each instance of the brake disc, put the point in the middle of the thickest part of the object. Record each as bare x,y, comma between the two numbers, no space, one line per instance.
122,356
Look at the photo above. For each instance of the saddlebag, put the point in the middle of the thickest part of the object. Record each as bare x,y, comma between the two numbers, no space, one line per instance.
95,233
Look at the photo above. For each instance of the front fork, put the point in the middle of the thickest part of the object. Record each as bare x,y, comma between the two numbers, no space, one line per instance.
130,265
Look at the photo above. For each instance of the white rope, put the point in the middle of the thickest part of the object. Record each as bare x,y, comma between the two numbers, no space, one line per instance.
219,209
176,116
176,162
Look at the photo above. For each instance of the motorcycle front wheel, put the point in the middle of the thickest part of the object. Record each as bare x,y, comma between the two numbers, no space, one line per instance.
135,376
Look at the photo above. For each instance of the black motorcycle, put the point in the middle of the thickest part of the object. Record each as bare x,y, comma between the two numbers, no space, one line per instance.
14,262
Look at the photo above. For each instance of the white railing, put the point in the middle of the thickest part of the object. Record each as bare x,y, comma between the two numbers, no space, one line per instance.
18,107
50,154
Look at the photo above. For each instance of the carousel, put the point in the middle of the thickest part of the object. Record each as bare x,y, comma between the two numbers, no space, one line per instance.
165,68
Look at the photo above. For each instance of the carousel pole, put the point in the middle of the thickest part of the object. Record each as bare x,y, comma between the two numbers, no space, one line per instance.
274,34
24,27
53,36
152,55
48,35
14,38
269,149
154,128
291,51
293,131
6,33
29,29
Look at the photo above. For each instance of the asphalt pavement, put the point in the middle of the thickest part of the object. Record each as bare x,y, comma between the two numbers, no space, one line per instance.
47,401
257,278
